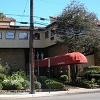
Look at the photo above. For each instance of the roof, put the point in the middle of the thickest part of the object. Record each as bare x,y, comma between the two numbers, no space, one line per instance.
13,27
20,27
7,19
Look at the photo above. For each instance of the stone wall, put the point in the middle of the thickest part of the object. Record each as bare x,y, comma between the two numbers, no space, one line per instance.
14,57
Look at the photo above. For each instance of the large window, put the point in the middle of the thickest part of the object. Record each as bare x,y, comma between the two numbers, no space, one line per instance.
46,34
10,35
0,35
23,36
37,36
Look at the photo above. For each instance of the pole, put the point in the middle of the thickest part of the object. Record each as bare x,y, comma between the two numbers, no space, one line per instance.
38,64
49,72
31,55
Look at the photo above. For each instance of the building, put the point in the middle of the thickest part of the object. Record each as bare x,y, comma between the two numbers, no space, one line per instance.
14,45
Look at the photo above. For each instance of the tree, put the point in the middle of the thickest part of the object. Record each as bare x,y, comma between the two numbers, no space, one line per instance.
78,28
2,15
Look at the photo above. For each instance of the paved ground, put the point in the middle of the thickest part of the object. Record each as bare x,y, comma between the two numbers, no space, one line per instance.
52,93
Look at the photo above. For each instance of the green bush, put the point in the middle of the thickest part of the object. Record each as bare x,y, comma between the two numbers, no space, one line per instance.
1,69
42,79
37,85
87,84
63,78
1,86
98,82
35,78
26,84
79,79
16,86
2,76
6,84
52,84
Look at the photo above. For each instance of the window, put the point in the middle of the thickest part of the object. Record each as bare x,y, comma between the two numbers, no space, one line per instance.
23,36
0,35
52,32
10,35
37,36
46,34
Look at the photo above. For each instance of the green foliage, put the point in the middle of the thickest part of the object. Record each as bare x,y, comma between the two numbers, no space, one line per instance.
18,80
42,79
63,78
2,76
94,68
1,86
77,27
16,86
20,73
26,84
35,78
37,85
79,79
90,78
2,16
11,85
93,72
1,69
98,82
6,84
52,84
88,84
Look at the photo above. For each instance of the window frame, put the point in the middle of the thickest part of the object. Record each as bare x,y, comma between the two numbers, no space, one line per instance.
10,38
24,37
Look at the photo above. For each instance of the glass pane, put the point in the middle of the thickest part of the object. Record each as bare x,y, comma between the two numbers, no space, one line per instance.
23,35
10,35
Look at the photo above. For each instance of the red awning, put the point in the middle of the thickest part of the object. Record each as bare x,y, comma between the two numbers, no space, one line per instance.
66,59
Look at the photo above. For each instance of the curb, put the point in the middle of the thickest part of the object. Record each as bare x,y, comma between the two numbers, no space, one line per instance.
52,93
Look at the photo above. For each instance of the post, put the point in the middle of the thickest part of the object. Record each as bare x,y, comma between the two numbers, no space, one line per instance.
49,72
37,55
31,55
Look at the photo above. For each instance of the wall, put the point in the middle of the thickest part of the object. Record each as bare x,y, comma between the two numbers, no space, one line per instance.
57,50
14,57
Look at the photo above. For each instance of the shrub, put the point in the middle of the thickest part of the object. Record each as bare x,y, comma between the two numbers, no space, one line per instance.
98,82
78,79
26,84
11,85
6,84
63,78
87,84
19,74
2,76
1,86
42,79
35,78
16,86
37,85
1,69
54,84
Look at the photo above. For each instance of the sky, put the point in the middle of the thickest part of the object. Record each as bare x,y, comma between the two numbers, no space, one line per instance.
20,9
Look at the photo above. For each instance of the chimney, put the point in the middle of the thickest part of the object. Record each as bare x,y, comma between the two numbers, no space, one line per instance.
52,19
